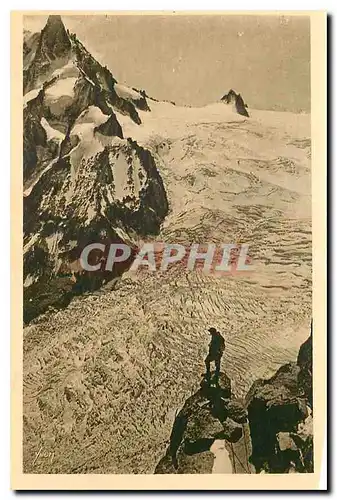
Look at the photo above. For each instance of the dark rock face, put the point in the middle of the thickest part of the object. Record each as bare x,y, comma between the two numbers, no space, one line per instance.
237,411
236,100
36,147
111,127
304,362
140,102
279,412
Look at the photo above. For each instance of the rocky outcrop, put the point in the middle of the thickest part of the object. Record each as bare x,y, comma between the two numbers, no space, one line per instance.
304,362
236,101
209,415
280,417
133,95
111,127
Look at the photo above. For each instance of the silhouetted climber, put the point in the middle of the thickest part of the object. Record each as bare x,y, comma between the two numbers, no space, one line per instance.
216,350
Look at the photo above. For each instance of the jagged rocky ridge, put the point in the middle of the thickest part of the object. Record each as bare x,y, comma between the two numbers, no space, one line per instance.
270,431
83,181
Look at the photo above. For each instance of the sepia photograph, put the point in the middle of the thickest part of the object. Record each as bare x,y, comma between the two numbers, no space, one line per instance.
165,186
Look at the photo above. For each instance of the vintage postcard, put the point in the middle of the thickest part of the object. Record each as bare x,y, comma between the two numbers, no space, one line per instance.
168,234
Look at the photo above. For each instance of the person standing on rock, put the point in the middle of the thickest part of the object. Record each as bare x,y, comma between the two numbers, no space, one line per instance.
215,352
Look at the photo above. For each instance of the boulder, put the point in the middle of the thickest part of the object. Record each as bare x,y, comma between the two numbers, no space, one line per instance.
236,411
202,424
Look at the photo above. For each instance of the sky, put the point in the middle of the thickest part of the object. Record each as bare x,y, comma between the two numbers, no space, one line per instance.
195,60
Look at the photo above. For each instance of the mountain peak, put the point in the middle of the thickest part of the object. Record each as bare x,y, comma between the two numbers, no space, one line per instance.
48,50
236,101
55,20
55,41
55,24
